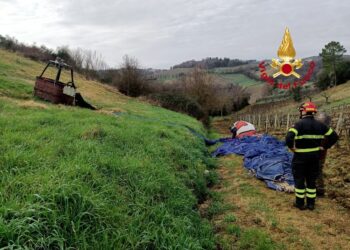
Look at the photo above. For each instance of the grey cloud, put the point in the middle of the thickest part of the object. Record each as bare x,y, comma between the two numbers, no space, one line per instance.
162,33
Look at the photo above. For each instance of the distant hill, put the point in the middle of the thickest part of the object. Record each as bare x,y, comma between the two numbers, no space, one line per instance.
212,62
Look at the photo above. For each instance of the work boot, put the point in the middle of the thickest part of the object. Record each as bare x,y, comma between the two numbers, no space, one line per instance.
299,206
310,203
310,206
299,203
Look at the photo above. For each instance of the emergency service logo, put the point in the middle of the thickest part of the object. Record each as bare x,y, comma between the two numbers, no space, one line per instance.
286,66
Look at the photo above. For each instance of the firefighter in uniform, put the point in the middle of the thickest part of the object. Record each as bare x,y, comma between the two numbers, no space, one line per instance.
305,139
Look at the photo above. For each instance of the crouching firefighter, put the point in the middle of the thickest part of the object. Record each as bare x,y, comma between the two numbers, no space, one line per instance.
307,139
241,129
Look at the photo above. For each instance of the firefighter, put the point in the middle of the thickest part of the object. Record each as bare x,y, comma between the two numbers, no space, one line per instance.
305,139
241,129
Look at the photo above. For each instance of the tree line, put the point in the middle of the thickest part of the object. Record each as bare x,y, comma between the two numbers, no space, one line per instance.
84,61
212,62
336,70
197,93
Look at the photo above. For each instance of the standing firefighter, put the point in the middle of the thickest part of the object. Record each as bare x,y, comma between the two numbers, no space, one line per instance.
306,140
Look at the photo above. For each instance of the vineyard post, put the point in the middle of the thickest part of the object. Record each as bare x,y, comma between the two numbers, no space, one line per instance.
338,128
275,123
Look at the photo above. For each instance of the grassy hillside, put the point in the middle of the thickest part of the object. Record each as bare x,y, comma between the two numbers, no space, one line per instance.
79,179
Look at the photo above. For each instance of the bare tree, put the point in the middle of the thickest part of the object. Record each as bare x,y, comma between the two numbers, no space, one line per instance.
91,62
130,80
78,58
326,95
200,86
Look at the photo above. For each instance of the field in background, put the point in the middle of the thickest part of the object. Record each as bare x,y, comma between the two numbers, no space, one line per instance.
240,80
221,76
338,96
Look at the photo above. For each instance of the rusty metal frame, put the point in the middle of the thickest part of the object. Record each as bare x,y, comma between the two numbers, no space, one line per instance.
59,65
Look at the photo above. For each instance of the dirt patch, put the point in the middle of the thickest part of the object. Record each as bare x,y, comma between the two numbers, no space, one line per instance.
253,205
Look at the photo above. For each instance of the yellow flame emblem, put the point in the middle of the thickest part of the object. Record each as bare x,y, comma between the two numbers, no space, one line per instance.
286,53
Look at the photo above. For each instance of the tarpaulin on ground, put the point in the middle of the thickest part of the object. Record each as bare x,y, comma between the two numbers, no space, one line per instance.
265,156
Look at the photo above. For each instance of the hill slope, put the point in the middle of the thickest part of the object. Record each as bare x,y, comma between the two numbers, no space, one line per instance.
79,179
337,96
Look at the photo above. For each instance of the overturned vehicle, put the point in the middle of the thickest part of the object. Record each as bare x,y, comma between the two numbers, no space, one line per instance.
57,91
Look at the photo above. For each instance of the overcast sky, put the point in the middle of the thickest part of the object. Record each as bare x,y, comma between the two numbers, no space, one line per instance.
161,33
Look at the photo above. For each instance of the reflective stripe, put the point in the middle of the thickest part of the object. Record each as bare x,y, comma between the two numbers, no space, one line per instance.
309,190
293,130
299,190
330,131
310,195
306,150
309,137
300,195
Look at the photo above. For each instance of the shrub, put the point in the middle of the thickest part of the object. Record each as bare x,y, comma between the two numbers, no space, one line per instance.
179,102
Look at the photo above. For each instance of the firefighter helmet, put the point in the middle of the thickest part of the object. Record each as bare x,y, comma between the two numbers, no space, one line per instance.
308,107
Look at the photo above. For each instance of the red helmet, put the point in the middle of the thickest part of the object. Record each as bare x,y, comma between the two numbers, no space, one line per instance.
308,107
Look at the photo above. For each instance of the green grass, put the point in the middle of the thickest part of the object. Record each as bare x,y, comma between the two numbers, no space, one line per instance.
230,218
249,190
256,239
240,79
74,178
15,88
345,101
79,179
260,205
234,230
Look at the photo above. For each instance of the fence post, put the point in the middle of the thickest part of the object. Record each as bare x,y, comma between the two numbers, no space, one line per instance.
338,128
347,138
339,123
275,124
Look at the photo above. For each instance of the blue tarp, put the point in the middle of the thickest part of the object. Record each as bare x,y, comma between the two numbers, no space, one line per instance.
265,156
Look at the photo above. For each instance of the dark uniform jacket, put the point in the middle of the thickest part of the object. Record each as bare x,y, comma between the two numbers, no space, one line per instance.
307,135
